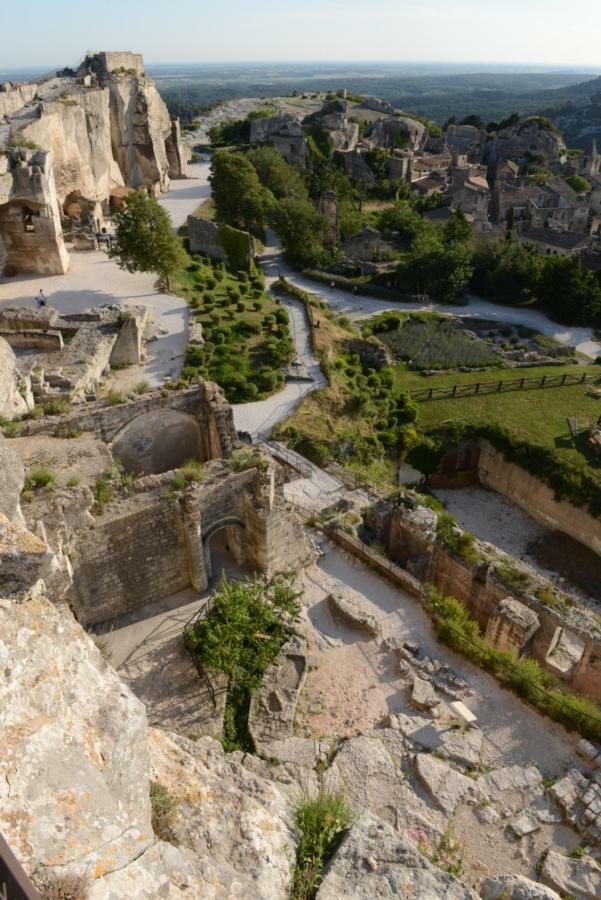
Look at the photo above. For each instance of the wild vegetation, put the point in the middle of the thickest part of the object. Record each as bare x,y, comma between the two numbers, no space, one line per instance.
242,634
321,820
455,627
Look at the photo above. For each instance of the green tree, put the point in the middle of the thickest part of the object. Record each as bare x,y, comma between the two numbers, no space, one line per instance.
282,179
457,229
240,198
578,183
301,229
570,293
506,272
404,221
145,240
434,268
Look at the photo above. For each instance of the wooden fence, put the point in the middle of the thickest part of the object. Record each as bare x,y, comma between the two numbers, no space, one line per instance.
502,386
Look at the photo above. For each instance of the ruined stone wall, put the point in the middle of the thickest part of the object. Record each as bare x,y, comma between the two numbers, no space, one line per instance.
477,588
204,402
13,97
537,499
130,559
31,238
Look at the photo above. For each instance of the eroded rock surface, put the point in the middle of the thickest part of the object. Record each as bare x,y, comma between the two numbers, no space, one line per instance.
375,861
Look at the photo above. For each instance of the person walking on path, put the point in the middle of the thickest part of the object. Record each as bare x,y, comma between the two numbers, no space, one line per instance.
40,299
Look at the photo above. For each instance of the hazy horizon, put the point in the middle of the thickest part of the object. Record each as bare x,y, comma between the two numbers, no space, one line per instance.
407,32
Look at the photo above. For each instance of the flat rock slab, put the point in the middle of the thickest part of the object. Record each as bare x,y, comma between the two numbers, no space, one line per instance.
423,695
350,611
373,860
580,878
462,746
447,787
524,823
516,887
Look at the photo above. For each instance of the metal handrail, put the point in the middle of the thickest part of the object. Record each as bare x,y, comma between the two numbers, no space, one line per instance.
14,883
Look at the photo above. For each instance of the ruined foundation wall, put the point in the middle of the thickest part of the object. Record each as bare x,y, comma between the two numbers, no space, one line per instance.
478,589
537,499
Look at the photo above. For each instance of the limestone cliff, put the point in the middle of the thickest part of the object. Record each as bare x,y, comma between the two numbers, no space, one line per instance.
102,127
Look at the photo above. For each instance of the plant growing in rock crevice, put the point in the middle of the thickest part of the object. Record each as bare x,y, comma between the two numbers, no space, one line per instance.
163,806
321,821
242,636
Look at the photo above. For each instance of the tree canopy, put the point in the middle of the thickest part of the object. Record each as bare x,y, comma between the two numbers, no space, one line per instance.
145,240
240,198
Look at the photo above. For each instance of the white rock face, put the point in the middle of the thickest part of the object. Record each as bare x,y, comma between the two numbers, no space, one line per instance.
238,825
12,404
574,877
12,475
516,887
74,758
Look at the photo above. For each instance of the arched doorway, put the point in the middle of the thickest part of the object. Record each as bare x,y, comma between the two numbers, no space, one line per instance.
224,549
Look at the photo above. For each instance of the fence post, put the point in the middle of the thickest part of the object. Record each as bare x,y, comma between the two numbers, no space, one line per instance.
477,388
583,379
543,379
500,386
563,377
522,380
454,390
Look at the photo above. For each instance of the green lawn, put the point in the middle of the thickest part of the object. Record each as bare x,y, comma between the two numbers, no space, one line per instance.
538,415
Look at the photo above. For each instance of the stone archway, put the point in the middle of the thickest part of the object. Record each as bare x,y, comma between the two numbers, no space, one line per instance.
229,531
158,441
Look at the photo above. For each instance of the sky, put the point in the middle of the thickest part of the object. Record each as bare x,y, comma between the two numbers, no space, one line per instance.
547,33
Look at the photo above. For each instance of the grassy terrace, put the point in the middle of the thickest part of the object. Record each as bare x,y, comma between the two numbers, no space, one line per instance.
538,417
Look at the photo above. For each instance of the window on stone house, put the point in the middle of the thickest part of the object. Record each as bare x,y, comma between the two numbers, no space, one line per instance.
27,218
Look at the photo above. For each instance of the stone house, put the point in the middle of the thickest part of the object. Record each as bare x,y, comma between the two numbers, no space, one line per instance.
366,246
554,243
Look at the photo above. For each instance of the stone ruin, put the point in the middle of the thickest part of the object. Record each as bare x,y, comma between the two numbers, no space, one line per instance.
52,357
71,146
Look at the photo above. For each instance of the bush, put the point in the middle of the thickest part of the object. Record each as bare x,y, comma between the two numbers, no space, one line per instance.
56,407
242,636
39,478
248,459
320,820
114,398
63,886
103,491
141,387
163,806
192,470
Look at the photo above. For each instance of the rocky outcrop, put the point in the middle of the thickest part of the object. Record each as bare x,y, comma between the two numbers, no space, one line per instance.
579,878
74,761
375,861
516,887
285,133
239,826
398,132
31,237
101,128
12,475
12,402
75,768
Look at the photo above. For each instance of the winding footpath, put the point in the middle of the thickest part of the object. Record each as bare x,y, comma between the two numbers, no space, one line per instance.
94,280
